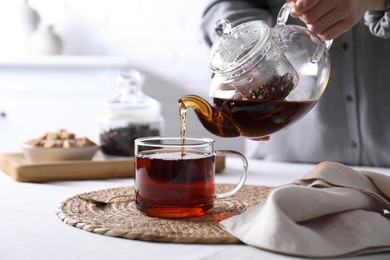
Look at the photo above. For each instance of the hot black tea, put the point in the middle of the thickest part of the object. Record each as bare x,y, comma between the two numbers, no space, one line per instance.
171,184
254,118
247,117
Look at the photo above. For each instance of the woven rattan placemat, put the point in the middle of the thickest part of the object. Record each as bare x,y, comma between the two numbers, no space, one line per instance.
122,219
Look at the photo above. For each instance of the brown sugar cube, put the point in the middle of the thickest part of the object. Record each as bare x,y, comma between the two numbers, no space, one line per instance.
49,143
42,142
69,143
88,141
52,136
80,142
44,136
68,135
59,131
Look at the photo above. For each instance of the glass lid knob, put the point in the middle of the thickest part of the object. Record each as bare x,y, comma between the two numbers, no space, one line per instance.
131,83
223,27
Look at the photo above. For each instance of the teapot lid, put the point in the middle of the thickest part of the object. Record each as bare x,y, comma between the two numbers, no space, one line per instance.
238,48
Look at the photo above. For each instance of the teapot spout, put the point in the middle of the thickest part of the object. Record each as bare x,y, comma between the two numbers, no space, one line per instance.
215,121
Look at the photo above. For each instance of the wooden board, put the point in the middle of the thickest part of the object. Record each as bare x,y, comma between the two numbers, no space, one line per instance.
100,167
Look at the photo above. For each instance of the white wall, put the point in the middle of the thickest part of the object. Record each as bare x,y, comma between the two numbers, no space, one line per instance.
150,33
160,38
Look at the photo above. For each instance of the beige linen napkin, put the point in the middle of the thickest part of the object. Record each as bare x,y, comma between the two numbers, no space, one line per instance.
331,211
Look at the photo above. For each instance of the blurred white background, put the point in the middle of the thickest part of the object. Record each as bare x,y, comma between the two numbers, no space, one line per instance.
43,92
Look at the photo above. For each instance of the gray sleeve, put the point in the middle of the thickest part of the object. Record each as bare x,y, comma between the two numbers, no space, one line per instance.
236,12
378,22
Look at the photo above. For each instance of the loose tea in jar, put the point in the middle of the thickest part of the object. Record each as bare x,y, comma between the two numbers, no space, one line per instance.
130,116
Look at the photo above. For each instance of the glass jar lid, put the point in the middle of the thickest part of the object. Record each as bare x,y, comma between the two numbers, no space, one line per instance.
132,103
238,49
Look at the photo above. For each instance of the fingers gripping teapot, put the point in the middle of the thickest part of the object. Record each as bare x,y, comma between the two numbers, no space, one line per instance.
265,79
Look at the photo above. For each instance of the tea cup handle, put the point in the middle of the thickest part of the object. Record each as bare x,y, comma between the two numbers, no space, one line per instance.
243,175
283,15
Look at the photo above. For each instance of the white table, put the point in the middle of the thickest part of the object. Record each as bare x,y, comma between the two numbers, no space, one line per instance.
30,229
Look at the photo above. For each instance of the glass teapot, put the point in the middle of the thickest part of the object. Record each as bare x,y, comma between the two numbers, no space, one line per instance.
264,79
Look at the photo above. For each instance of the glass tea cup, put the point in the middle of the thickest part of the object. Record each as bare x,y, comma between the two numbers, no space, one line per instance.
175,180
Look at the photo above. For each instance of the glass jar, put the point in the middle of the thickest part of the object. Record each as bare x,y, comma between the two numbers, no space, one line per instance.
130,116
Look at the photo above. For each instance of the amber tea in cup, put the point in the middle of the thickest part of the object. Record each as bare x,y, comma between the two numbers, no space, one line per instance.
175,180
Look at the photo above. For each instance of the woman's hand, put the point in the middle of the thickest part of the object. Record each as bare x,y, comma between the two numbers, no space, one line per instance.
331,18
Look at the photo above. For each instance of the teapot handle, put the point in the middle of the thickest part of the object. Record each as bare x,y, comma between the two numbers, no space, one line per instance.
283,15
